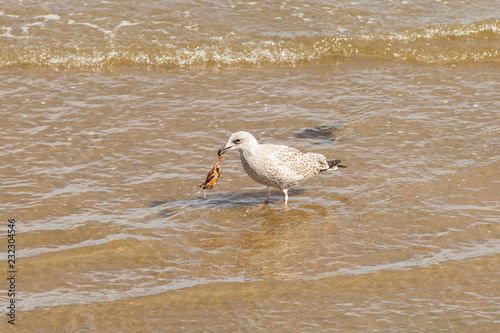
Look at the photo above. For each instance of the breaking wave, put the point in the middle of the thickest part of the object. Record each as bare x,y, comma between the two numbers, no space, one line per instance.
467,43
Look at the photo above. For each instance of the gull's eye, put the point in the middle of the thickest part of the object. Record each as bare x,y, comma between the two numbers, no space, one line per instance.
237,141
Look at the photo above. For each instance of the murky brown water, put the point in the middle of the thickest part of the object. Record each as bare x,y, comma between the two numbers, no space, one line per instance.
102,161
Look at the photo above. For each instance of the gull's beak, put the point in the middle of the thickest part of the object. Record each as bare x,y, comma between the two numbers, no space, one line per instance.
223,149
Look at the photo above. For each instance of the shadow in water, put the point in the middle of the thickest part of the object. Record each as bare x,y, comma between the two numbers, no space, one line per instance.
222,200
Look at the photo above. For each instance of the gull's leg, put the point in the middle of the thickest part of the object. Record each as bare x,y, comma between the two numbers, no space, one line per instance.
285,199
267,195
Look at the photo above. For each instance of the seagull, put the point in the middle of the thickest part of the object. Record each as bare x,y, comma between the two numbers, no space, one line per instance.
276,166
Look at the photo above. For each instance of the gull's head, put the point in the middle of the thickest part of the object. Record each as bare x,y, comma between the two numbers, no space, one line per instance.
239,141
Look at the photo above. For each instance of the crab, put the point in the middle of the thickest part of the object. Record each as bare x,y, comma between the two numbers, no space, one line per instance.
213,175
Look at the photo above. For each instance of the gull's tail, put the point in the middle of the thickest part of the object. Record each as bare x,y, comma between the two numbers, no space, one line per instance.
334,165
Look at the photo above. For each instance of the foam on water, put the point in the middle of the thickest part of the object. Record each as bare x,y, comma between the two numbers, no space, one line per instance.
62,40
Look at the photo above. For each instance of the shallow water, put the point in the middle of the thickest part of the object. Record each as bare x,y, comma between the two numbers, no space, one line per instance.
102,164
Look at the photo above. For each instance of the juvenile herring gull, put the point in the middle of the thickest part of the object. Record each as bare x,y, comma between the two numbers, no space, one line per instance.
276,165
